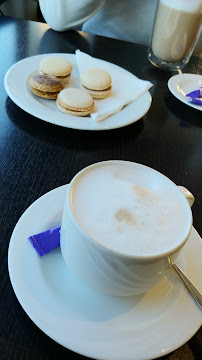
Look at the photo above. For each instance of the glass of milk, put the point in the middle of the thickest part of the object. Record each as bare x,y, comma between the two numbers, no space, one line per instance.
177,28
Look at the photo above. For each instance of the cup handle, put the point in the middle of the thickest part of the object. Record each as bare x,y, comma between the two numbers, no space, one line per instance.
189,196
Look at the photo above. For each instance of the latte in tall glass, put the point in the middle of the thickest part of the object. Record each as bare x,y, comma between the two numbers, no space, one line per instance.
176,30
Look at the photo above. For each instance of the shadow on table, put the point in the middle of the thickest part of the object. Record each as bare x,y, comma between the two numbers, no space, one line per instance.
61,42
186,114
155,74
72,138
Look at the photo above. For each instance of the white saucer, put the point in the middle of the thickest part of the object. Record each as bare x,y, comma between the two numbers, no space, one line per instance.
95,325
182,84
16,85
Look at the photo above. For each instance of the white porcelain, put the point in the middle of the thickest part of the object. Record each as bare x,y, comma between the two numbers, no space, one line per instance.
87,322
189,196
62,15
104,269
16,85
182,84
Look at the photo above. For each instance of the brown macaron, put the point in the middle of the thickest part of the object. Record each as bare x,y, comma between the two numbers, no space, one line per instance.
45,86
75,102
96,82
56,66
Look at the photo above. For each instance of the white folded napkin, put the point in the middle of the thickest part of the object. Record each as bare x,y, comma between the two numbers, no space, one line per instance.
126,88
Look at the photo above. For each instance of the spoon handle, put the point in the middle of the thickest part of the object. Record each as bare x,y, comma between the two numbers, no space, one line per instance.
192,289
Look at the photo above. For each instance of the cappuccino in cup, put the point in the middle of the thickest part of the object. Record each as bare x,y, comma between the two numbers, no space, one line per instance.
176,30
120,221
127,209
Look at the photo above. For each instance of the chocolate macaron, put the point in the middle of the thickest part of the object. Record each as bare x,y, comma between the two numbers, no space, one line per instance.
56,66
96,82
75,102
45,86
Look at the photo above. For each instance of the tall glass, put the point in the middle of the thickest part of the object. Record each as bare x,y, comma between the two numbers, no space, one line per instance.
176,30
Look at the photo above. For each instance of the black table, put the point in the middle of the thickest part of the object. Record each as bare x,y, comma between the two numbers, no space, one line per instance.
37,157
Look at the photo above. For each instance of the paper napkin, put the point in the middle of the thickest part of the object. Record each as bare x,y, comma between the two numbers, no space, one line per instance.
126,88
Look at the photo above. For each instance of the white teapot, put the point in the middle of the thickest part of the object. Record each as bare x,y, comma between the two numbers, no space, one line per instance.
62,15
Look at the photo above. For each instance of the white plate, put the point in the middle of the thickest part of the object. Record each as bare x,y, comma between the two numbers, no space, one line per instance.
95,325
182,84
16,85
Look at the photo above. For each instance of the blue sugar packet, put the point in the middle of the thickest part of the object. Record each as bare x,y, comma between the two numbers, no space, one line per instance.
195,97
46,241
195,94
196,101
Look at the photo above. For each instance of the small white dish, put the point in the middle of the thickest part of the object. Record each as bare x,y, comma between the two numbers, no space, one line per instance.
182,84
90,323
16,85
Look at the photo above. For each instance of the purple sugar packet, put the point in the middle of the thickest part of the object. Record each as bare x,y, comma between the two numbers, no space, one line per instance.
195,94
196,101
195,97
46,241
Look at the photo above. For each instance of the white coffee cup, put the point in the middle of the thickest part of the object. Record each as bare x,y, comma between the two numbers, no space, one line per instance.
120,222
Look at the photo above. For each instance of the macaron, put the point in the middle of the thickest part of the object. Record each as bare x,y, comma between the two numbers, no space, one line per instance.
56,66
45,86
75,102
96,82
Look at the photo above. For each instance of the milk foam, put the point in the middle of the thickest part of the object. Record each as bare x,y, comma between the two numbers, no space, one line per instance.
130,208
190,6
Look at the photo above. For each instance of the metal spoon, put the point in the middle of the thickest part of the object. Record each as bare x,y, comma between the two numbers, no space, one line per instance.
191,288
